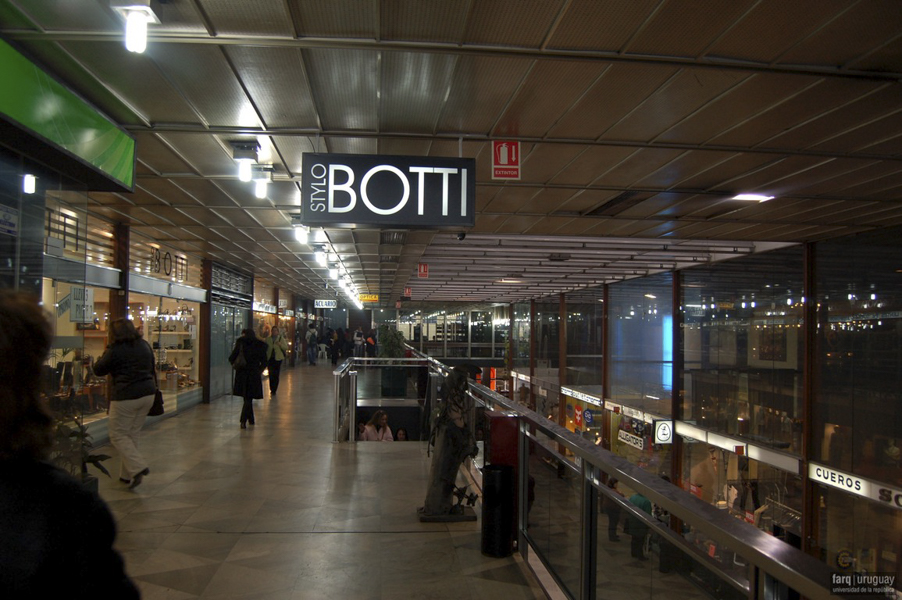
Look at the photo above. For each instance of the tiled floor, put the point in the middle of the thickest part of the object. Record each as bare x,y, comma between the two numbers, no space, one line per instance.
279,511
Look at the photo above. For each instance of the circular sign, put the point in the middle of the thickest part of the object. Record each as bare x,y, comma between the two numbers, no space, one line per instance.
844,559
663,432
587,416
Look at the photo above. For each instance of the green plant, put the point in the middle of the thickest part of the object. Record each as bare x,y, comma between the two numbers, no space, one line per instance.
391,343
72,447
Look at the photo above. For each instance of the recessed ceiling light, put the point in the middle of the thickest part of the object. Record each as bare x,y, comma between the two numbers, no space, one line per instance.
753,197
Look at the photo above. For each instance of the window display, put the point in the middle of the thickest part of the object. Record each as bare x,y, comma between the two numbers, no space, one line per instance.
171,328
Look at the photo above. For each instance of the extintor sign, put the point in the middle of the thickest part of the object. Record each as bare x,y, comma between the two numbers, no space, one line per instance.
412,192
505,160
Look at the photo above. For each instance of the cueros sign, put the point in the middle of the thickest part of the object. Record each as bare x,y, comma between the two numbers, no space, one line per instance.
413,192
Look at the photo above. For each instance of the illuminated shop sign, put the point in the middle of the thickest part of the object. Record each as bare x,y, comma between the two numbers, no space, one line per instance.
631,440
856,485
664,432
582,396
325,304
413,192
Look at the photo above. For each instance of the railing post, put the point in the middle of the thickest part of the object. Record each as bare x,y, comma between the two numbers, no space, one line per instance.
588,532
352,406
522,488
336,417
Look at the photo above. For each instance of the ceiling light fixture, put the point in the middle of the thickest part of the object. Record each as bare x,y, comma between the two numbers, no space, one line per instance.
137,15
302,234
245,154
261,176
753,197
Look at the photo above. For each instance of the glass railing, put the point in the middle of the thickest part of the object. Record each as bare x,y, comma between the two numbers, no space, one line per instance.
664,542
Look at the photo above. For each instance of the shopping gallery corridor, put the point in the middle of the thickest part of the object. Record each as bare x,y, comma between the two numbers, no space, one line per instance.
278,511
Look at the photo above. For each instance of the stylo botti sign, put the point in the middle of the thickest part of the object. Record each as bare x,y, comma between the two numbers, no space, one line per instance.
415,192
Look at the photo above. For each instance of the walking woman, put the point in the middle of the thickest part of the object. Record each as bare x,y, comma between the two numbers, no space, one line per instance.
248,372
129,360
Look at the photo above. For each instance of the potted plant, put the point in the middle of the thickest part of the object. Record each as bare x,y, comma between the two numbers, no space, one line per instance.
394,378
71,450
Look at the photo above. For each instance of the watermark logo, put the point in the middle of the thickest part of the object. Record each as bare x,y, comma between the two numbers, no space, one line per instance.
862,584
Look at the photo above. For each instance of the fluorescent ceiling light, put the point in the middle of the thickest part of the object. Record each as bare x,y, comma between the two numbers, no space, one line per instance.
301,234
753,197
137,14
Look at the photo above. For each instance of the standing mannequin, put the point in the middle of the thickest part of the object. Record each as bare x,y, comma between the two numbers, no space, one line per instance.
453,443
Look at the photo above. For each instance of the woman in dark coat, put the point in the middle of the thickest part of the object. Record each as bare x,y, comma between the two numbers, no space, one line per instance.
248,378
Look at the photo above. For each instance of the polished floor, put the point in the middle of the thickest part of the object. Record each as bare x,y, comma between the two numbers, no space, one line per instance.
278,511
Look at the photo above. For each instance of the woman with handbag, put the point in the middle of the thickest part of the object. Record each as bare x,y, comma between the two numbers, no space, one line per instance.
130,361
248,358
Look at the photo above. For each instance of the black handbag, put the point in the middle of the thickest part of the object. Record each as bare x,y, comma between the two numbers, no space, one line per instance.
240,362
156,409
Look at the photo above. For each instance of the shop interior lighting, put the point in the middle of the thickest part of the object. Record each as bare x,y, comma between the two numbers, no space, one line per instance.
137,14
320,258
321,236
29,183
753,197
302,234
245,154
333,273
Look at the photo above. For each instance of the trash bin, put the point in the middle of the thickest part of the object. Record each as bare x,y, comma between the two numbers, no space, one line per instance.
497,510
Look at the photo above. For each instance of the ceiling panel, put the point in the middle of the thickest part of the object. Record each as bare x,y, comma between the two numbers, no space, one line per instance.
638,121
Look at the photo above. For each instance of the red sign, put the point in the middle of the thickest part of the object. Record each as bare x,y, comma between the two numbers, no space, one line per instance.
423,271
579,416
408,291
505,160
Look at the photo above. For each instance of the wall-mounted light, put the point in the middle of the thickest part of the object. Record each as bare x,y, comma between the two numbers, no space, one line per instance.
137,14
245,154
29,183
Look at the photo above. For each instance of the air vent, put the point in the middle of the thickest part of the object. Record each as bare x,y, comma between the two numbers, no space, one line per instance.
616,205
392,237
386,258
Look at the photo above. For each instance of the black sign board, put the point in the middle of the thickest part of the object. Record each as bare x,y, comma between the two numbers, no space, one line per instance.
410,192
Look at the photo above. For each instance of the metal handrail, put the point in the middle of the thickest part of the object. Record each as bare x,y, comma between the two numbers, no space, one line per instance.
802,572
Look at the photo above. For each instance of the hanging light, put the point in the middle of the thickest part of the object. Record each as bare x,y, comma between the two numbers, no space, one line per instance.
245,154
137,14
261,175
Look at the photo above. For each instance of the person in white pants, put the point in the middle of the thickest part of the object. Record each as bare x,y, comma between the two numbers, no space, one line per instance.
130,361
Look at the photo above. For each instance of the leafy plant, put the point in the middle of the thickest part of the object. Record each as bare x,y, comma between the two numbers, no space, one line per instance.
72,447
391,342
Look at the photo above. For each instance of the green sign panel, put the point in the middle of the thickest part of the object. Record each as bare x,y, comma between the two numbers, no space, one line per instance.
34,100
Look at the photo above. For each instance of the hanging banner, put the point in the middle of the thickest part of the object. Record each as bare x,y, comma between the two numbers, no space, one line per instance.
411,192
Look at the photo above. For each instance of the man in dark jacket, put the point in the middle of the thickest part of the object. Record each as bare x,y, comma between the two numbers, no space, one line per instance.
248,372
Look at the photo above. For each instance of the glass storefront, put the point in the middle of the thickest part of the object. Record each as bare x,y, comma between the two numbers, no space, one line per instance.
641,343
742,345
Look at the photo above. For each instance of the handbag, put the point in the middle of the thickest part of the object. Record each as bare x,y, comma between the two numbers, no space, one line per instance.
156,409
240,362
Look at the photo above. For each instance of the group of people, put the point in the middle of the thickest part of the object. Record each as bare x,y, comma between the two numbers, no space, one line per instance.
342,343
378,430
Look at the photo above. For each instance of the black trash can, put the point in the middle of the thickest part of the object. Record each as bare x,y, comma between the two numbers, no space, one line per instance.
497,510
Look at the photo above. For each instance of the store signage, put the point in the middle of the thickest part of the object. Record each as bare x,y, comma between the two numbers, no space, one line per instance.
325,304
414,192
264,307
369,297
289,313
578,416
856,485
631,440
168,264
588,417
9,220
82,305
505,160
582,396
664,432
633,413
